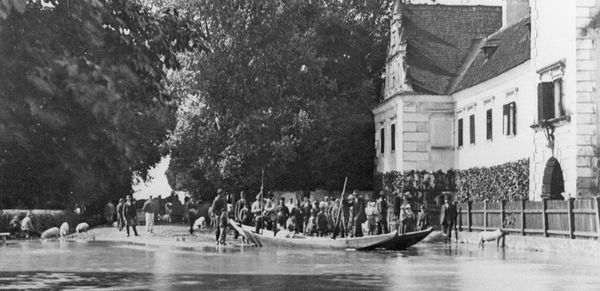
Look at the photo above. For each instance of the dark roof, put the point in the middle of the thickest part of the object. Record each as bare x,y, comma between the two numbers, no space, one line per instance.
512,49
440,37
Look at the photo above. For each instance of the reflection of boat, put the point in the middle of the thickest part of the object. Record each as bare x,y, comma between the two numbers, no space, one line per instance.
390,241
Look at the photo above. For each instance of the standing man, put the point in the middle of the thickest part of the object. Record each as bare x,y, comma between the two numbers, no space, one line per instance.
382,208
219,208
447,218
191,211
282,213
149,209
129,214
257,211
305,208
358,214
109,212
239,205
120,221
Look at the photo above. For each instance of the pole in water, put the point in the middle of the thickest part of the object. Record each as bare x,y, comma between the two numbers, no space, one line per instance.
262,200
339,216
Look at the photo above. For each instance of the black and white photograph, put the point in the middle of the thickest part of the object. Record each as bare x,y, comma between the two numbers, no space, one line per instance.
300,145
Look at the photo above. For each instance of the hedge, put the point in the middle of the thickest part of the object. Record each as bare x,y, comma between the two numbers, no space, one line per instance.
509,181
42,219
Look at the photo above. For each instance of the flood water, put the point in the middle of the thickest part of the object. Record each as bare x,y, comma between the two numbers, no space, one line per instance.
119,266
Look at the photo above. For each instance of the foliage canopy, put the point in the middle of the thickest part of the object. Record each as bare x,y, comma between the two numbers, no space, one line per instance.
82,99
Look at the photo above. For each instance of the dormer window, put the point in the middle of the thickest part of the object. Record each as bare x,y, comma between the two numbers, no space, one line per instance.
490,48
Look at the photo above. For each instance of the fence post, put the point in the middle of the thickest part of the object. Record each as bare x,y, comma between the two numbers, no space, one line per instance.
598,216
522,216
484,215
571,218
502,213
545,216
469,221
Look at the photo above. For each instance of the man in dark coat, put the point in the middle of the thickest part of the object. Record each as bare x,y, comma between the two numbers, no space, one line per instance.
447,217
191,211
298,219
382,209
239,205
219,208
282,212
120,220
359,215
130,215
305,208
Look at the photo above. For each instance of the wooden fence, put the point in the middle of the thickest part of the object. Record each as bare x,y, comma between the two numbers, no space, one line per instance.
574,219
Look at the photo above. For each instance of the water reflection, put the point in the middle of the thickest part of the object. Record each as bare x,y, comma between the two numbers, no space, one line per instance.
120,266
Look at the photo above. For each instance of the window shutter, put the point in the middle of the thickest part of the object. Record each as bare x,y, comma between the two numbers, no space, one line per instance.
472,129
514,118
460,132
393,137
488,117
545,101
505,120
540,102
382,140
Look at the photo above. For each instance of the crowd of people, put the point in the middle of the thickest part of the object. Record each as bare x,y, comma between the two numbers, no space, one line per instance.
352,216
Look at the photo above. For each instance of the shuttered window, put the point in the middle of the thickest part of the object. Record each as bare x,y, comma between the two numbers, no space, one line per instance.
488,124
393,137
460,133
509,119
382,138
472,129
550,100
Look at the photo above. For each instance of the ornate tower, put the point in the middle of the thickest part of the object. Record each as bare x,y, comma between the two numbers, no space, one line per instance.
396,59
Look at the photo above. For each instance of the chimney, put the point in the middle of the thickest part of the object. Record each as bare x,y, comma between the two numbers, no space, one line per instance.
513,11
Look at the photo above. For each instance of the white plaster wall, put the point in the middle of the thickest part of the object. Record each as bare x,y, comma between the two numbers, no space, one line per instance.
385,115
501,148
553,24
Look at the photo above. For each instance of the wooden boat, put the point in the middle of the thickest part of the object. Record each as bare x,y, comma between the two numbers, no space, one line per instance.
389,241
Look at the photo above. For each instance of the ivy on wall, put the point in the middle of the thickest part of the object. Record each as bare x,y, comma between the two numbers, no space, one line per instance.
395,182
508,181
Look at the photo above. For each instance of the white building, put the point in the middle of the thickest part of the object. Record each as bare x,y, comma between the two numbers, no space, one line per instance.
479,86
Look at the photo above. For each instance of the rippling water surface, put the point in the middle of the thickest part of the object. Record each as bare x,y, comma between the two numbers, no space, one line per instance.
119,266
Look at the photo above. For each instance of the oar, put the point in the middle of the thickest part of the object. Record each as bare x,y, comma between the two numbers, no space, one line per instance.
339,216
260,203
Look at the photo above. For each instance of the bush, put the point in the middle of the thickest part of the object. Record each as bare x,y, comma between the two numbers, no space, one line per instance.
42,219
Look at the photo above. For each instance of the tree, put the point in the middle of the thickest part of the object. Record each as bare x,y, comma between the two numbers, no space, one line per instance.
83,104
288,88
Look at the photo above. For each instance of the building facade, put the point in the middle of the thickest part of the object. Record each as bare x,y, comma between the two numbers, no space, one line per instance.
481,86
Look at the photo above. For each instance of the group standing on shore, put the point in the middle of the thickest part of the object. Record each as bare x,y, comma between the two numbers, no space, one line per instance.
344,217
337,217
